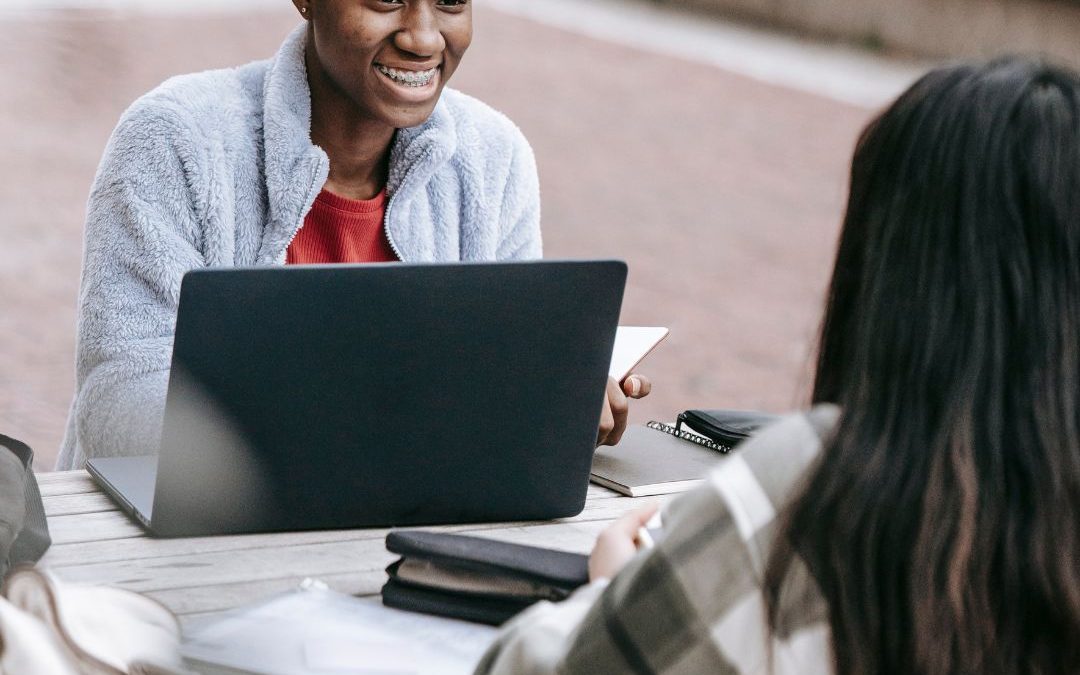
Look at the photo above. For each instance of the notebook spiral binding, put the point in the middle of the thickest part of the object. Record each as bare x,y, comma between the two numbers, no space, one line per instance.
688,436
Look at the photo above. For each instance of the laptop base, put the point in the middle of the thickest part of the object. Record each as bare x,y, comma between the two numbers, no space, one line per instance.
129,481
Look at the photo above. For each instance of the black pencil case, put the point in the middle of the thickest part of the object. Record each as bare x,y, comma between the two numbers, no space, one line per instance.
725,427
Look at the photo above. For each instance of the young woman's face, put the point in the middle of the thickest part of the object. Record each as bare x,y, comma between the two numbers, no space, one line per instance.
391,57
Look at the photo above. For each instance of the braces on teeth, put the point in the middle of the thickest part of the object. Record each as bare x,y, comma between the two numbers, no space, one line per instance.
408,78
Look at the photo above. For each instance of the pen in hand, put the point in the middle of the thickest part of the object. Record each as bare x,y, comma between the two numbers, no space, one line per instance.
621,541
644,536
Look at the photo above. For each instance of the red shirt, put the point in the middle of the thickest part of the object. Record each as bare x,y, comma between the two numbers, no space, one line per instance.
340,230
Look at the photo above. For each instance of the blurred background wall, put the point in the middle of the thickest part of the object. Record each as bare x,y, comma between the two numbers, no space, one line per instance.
939,28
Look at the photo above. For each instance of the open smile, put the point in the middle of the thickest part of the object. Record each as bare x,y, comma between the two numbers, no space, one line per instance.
409,78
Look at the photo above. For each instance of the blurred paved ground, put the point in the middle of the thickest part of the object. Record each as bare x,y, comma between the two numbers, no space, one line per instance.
723,192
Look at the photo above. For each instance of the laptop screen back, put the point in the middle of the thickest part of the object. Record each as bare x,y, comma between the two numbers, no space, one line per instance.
376,395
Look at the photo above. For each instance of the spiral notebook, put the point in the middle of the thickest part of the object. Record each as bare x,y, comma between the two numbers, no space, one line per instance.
656,459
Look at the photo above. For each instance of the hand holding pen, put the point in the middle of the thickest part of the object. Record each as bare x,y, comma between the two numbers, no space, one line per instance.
620,542
645,538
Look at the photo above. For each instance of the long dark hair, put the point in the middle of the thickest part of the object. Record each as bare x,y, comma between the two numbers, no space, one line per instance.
942,523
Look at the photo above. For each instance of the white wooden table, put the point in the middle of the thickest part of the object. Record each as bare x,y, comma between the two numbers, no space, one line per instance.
94,542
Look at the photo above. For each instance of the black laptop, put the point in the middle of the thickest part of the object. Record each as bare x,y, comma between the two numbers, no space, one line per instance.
337,396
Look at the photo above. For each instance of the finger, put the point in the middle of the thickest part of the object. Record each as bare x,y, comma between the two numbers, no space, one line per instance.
629,524
620,408
637,386
607,422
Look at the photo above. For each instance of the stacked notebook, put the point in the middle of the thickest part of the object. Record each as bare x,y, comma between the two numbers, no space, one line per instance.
476,579
648,461
660,458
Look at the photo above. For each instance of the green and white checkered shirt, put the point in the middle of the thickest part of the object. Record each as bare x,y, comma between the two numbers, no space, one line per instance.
693,604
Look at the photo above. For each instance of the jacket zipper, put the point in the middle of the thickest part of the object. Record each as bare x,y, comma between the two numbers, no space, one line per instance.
386,223
390,203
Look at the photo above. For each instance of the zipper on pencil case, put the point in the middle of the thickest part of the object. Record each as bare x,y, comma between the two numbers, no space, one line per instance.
689,436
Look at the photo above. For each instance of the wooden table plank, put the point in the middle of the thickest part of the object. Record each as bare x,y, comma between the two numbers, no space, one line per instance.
147,548
360,550
79,482
88,527
65,483
359,570
112,537
600,492
76,504
223,567
204,600
195,577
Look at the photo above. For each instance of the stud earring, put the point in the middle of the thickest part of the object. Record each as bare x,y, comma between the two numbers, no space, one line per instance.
303,10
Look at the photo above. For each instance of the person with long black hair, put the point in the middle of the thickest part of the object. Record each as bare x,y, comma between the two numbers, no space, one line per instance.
924,516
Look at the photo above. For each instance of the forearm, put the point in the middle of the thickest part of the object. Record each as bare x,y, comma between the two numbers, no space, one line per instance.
123,354
117,414
141,237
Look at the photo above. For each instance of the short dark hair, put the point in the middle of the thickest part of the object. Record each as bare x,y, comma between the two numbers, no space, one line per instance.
942,523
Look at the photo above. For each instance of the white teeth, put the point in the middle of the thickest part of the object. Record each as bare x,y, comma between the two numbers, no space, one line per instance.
410,78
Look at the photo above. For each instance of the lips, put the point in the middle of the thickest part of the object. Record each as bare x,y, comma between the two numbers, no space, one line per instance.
408,78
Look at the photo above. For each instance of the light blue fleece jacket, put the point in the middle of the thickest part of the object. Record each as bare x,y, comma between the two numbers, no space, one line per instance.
217,169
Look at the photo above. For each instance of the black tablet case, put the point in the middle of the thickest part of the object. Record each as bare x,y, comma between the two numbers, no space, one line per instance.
557,572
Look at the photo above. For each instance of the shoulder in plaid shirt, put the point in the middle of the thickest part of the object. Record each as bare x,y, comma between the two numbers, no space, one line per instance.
693,604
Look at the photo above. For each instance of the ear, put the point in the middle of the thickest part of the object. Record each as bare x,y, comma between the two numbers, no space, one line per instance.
304,7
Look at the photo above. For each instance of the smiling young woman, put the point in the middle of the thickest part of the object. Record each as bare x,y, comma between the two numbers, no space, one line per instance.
375,67
345,147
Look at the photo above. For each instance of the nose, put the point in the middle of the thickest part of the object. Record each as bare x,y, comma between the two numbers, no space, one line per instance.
420,33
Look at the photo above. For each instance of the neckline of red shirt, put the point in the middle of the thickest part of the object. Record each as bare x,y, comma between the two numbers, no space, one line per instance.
329,199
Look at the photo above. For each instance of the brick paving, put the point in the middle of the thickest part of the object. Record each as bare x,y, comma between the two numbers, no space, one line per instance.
723,194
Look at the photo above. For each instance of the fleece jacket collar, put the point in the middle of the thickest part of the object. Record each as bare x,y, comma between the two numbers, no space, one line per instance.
296,169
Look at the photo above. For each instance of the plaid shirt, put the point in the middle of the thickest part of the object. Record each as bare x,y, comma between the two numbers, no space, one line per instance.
693,604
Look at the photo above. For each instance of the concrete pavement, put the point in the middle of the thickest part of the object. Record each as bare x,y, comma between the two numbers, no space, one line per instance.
721,186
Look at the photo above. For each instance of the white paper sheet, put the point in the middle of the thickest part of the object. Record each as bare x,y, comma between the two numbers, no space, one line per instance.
315,631
632,344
